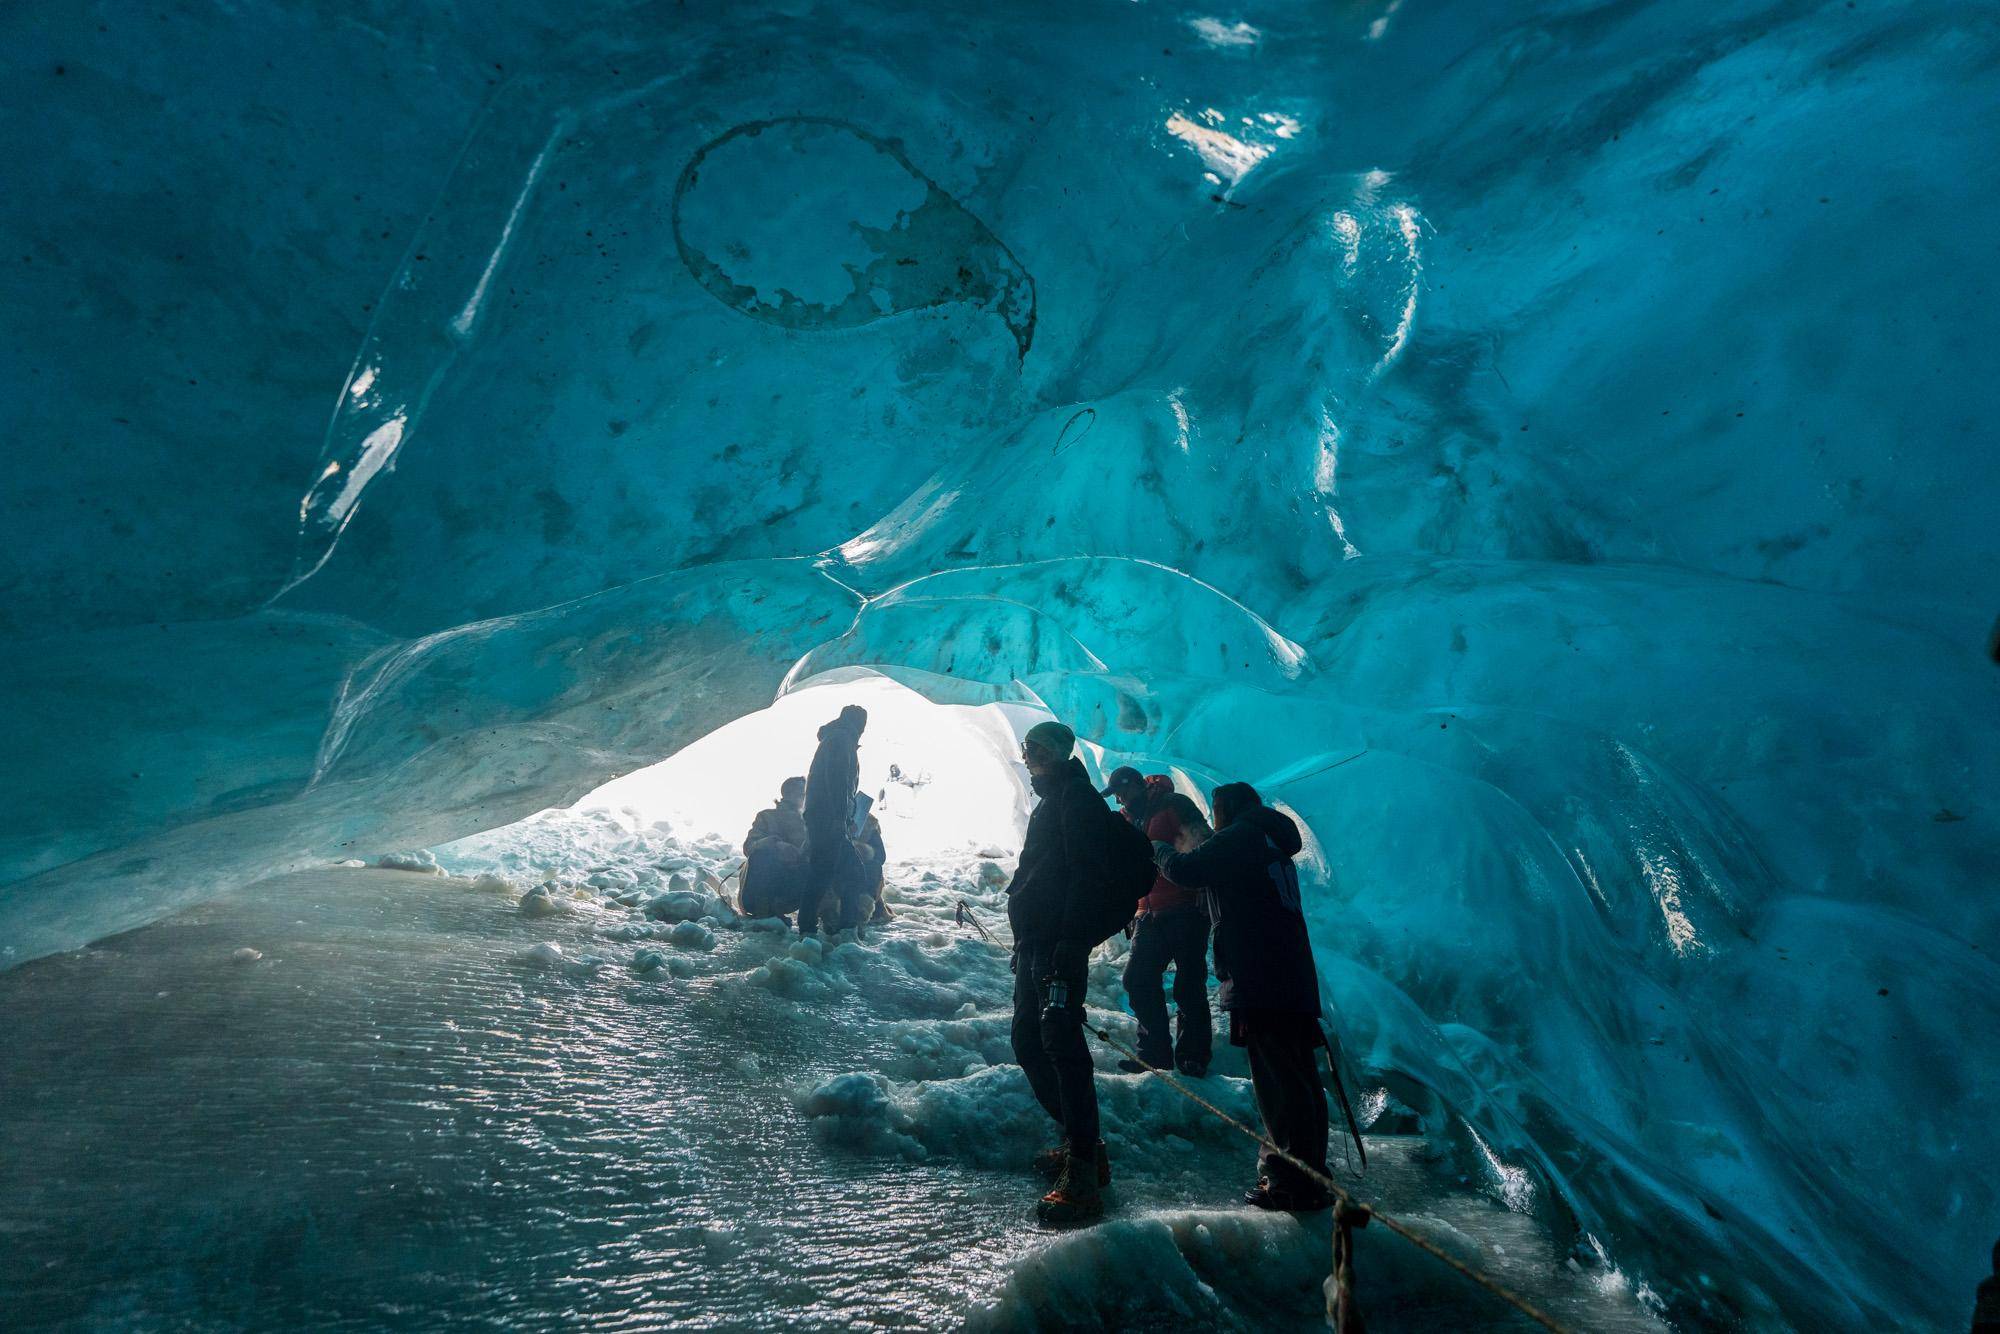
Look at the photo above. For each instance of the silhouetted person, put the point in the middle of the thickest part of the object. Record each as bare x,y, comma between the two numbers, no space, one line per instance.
1986,1306
1270,988
830,786
861,892
774,855
1127,786
1063,855
1171,931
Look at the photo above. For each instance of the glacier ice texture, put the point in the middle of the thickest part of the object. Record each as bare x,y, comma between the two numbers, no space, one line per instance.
1545,447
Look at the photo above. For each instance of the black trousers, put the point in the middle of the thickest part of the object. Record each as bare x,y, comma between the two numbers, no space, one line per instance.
1284,1073
1179,939
1050,1045
831,863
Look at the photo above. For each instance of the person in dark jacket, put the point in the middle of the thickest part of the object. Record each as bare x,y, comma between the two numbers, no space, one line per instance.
774,854
1064,852
830,786
1270,987
861,896
1171,931
1986,1301
1127,786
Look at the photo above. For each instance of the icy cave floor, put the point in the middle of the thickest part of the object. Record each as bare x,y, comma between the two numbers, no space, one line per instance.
409,1111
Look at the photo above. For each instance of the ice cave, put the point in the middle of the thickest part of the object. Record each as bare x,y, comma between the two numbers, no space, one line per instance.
460,453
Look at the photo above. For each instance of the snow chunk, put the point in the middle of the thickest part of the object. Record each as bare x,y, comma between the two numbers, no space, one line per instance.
1197,1266
544,900
692,936
547,954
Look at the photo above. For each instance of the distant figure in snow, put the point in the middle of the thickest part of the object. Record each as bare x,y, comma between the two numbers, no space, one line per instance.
1171,930
1270,987
831,783
1062,856
774,855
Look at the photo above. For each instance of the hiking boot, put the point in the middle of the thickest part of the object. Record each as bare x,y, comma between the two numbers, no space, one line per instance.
1075,1200
1288,1200
1193,1068
1132,1067
1051,1161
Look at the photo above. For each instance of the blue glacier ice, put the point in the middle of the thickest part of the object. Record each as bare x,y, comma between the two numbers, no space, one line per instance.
1545,447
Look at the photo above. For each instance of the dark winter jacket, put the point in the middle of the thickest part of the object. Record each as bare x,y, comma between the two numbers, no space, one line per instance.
1262,954
1986,1302
832,780
868,867
780,822
1067,851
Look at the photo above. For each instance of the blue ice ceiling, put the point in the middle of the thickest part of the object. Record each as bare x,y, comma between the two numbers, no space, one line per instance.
1548,448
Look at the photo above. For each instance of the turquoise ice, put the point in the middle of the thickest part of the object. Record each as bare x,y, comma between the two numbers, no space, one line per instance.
1550,451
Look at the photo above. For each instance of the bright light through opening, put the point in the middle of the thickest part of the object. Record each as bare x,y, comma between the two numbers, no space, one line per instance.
957,780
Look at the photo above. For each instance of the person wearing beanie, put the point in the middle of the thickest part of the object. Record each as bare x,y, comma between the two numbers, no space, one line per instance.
774,854
831,783
1064,852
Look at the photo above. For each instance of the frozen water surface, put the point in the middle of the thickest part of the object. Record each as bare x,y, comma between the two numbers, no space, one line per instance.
420,1109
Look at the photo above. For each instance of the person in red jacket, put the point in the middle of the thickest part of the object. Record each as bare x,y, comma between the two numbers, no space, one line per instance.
1171,931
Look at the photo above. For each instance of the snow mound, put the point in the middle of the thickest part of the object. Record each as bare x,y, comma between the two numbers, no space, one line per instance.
1210,1268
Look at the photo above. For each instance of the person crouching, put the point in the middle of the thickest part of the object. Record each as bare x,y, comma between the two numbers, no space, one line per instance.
1064,847
1270,987
774,855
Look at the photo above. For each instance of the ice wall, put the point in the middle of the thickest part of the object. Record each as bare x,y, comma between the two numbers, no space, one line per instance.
1546,448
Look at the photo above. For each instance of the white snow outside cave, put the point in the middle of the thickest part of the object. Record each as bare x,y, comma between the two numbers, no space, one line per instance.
946,780
944,777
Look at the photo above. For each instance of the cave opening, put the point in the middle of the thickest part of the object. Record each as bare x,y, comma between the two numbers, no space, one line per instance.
944,779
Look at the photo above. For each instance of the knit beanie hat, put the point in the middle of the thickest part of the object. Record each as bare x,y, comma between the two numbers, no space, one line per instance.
1052,737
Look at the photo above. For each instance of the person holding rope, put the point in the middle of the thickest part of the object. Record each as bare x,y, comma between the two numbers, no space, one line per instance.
1270,987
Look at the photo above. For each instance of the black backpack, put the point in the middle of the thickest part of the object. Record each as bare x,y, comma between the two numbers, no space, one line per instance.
1129,877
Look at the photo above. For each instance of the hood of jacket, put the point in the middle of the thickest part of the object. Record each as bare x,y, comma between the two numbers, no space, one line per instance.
1276,826
1055,780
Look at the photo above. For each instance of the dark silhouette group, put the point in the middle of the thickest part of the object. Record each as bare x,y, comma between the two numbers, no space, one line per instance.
817,851
1156,869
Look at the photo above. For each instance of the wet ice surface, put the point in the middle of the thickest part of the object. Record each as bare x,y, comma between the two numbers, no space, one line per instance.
418,1106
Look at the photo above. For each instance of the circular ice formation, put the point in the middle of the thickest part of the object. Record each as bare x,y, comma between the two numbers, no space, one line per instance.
813,223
